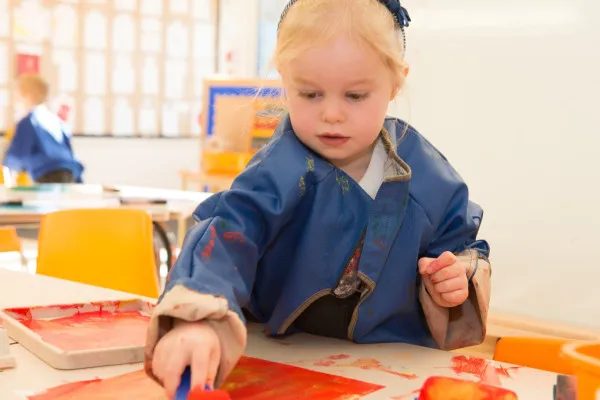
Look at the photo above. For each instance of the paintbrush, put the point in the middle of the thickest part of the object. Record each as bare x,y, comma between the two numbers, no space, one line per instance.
184,391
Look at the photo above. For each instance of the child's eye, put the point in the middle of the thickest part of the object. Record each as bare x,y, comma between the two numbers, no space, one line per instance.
308,95
357,96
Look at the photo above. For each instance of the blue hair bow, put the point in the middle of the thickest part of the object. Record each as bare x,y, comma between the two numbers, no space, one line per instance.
397,11
394,6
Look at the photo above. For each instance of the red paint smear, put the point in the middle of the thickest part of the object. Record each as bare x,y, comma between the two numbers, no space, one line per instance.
340,357
438,387
252,379
234,237
367,364
480,368
207,252
92,330
330,361
135,385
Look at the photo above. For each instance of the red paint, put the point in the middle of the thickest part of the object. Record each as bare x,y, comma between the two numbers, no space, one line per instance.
379,244
208,395
324,363
258,379
483,369
135,385
367,364
252,379
92,330
339,357
330,361
234,237
207,252
438,387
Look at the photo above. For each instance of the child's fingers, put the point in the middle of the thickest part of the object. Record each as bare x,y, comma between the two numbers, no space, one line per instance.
424,264
213,366
444,260
158,360
450,285
456,297
447,273
200,361
173,370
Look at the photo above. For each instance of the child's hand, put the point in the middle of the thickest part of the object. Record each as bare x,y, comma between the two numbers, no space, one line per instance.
445,279
193,344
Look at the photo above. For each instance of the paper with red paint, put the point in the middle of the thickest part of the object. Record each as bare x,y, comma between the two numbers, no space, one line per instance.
102,327
83,335
252,379
95,330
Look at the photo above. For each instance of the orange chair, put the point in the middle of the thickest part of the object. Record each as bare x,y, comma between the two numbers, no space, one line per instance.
585,358
11,242
111,248
534,352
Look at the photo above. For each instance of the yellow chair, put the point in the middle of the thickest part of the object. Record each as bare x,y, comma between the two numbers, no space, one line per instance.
111,248
23,178
534,352
11,242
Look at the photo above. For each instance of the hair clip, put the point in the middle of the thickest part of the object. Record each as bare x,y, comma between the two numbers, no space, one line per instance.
399,12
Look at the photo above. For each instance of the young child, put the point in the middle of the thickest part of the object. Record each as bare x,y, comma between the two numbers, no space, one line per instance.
347,224
41,145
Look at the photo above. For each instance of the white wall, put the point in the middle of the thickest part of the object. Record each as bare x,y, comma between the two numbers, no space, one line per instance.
238,35
139,161
508,90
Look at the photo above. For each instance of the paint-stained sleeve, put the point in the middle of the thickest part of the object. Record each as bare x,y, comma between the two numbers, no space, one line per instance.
20,147
464,325
214,275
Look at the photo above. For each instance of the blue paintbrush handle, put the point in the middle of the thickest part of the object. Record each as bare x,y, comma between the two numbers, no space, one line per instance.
185,385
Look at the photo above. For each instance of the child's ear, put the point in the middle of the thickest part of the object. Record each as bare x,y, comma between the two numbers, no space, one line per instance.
406,70
400,82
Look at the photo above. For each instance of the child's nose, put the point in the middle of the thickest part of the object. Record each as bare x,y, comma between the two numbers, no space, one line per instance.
333,111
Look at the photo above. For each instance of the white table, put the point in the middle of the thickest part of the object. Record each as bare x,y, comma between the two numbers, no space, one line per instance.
21,289
180,204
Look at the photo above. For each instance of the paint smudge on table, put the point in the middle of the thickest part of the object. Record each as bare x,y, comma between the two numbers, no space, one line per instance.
331,360
484,370
367,364
252,379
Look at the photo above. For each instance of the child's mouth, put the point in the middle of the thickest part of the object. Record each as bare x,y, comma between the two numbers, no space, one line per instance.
333,139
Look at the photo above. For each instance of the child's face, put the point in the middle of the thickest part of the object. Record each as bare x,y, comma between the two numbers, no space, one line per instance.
338,95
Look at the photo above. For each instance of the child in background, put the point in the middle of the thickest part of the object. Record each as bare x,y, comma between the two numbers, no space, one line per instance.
41,145
347,224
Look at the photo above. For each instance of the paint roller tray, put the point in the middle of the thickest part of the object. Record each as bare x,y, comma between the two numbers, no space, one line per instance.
84,335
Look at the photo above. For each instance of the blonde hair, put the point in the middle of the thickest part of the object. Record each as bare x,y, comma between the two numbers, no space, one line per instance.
311,22
33,87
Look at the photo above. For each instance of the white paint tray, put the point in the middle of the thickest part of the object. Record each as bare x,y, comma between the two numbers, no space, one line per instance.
84,335
6,359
